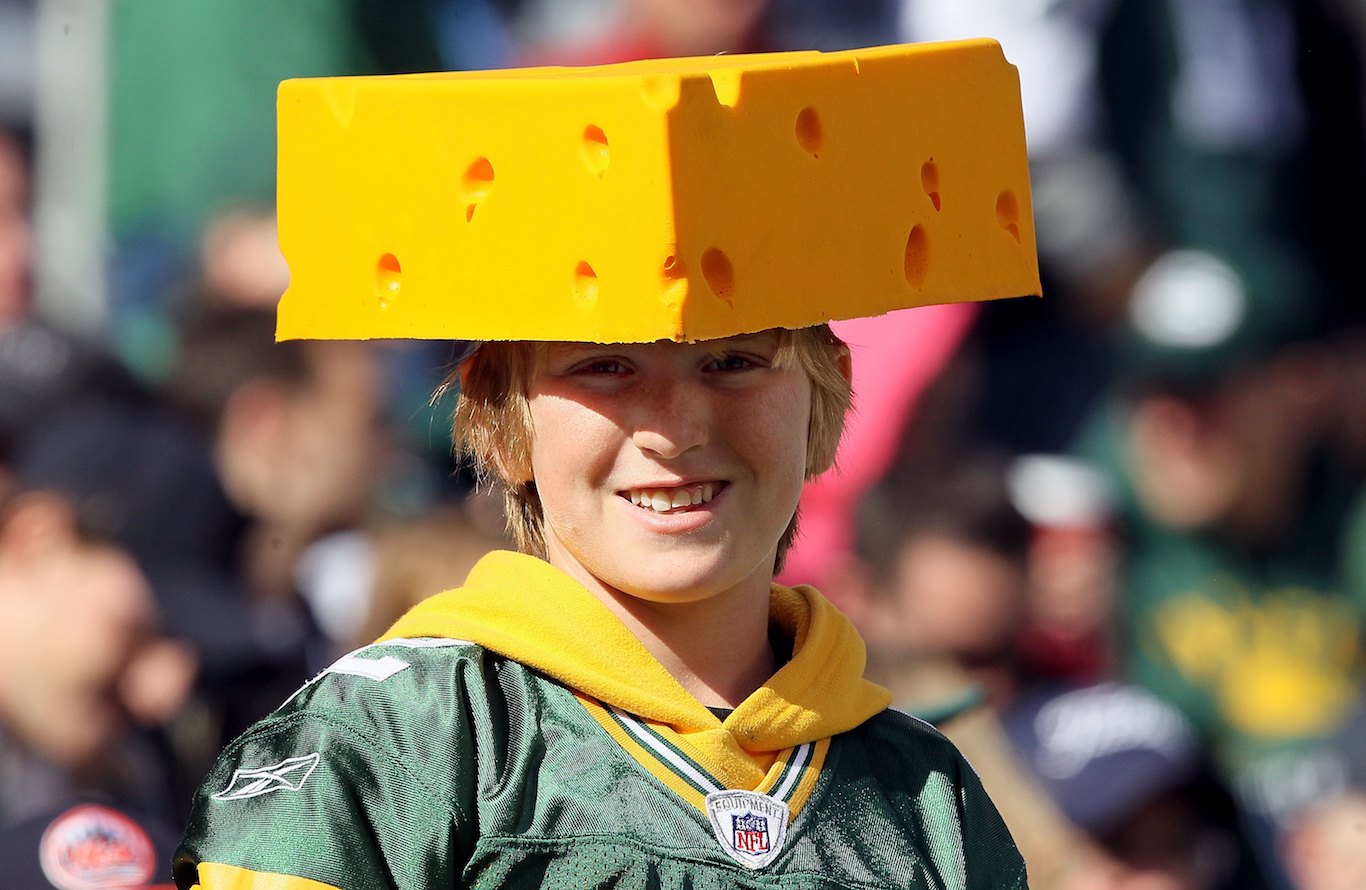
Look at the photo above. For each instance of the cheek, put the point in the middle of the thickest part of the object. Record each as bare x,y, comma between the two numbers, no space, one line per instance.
569,445
774,431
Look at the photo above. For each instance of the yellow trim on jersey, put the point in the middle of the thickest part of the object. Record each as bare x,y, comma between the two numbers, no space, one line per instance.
640,755
719,752
776,770
791,777
796,790
217,876
810,775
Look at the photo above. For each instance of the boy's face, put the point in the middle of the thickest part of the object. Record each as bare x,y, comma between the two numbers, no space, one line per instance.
668,471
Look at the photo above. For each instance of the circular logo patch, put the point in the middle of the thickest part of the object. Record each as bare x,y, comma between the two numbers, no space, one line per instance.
91,847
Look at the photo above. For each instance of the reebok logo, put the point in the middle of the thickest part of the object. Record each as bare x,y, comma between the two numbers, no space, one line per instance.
287,775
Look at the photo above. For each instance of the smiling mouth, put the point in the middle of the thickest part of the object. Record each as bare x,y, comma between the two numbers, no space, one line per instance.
679,499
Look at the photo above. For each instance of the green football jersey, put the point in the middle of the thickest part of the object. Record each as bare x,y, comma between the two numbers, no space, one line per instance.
431,762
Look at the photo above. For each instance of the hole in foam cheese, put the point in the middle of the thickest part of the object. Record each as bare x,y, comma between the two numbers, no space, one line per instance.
809,131
705,217
929,181
916,258
596,154
585,285
719,274
475,185
388,279
1008,213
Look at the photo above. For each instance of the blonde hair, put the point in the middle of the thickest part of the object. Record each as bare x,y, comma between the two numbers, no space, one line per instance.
492,421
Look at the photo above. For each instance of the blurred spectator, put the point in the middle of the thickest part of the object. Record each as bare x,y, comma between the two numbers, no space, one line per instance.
261,451
243,274
1128,770
1238,602
82,664
91,846
651,29
1221,126
1325,848
87,685
415,559
1074,550
16,237
296,433
1195,213
944,552
1323,844
938,595
148,483
42,367
192,126
240,261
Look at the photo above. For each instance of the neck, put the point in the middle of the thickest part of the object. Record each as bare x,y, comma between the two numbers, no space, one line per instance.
716,647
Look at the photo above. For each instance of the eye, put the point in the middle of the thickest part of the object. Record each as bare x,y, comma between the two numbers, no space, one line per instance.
602,367
731,362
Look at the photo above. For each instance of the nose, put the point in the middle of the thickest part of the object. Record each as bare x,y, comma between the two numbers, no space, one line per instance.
672,418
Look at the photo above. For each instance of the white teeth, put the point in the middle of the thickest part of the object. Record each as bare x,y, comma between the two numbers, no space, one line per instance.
665,499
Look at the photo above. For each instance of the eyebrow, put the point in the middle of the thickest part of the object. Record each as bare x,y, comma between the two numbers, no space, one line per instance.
577,348
743,341
721,344
747,338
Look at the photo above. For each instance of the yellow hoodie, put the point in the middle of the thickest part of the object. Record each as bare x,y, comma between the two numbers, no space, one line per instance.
527,610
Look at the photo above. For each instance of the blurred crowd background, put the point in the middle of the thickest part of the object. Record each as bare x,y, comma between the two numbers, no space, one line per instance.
1113,542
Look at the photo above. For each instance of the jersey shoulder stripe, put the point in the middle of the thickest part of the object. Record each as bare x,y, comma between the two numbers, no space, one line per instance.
218,876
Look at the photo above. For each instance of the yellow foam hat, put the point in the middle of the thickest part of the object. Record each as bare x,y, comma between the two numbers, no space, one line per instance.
678,199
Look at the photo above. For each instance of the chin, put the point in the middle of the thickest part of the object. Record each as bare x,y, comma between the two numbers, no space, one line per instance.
685,578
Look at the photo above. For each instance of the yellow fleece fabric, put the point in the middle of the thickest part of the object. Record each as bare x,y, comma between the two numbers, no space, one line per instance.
527,610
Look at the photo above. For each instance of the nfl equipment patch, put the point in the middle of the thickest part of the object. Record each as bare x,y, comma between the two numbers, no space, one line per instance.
750,826
91,847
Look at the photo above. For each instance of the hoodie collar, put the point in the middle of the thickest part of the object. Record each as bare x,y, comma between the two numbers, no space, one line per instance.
527,610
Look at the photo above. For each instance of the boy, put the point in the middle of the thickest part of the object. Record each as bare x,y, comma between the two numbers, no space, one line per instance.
630,701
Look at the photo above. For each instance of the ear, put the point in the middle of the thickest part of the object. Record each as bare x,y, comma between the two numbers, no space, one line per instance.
36,524
512,461
515,473
846,363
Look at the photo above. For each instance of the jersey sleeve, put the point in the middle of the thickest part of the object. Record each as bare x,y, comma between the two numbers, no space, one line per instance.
967,844
330,798
991,859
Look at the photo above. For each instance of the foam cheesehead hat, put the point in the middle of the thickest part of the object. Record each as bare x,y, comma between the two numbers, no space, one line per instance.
676,199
